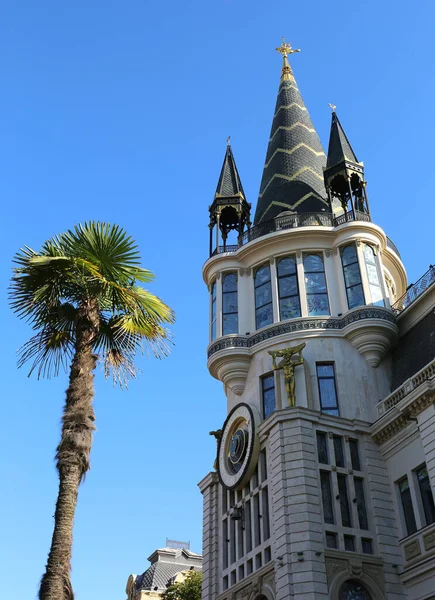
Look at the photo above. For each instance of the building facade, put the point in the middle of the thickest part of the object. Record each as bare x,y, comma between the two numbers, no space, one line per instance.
325,473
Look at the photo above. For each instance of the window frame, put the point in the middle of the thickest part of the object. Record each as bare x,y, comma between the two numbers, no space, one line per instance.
334,378
421,497
370,285
406,514
344,267
267,282
287,276
263,378
236,312
213,323
307,293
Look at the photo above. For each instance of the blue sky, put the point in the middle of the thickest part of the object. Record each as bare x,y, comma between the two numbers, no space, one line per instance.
119,111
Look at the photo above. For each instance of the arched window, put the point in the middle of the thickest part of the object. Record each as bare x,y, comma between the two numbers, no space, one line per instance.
353,590
352,276
263,297
213,310
289,303
373,276
230,317
315,285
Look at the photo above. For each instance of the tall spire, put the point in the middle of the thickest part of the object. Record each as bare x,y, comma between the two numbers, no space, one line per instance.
293,171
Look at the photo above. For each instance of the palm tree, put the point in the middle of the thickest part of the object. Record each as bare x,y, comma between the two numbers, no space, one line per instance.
81,295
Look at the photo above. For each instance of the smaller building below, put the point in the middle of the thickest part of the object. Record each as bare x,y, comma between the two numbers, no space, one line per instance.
168,566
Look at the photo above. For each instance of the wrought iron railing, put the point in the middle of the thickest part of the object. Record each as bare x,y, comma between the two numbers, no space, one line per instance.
322,219
415,290
392,246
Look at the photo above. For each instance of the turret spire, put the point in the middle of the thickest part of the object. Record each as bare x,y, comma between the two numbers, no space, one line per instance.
293,172
344,175
229,210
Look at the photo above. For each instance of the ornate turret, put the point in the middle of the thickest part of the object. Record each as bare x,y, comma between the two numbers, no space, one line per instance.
293,172
344,175
229,210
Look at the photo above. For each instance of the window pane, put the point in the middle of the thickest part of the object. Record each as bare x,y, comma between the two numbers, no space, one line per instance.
230,283
230,324
325,371
426,495
360,503
286,266
313,262
318,305
408,510
331,540
355,296
315,283
354,455
262,275
213,330
268,382
322,447
331,411
367,546
269,404
288,286
338,451
369,255
328,398
344,501
349,545
325,484
230,302
289,308
348,255
376,294
263,294
264,316
352,275
372,274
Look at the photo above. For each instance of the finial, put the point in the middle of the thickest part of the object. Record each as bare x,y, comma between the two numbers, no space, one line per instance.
284,50
229,140
332,107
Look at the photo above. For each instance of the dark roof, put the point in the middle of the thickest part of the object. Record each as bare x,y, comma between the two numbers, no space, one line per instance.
293,171
229,183
159,575
339,149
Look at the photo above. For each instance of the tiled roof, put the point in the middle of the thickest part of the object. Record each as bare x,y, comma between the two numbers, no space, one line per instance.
339,148
229,183
159,575
293,171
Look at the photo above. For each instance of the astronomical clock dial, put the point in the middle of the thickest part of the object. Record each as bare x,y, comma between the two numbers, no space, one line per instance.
238,447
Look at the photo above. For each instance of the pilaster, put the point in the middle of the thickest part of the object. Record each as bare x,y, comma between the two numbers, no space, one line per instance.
209,488
426,424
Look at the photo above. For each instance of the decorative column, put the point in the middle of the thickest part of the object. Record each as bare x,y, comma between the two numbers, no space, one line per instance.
274,287
301,284
332,282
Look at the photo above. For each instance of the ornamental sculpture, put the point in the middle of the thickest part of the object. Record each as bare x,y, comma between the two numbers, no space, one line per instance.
288,366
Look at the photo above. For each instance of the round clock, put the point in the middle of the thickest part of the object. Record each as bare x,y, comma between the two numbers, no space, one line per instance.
238,447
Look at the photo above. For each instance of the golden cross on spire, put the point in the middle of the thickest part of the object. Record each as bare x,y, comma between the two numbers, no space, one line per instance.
286,48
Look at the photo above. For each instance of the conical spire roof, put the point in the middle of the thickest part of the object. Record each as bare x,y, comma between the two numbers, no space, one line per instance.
293,171
339,149
229,183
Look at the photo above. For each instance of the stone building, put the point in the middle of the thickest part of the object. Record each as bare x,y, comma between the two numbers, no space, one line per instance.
326,462
168,566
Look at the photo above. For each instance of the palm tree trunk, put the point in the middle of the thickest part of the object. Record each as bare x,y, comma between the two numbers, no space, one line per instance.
72,454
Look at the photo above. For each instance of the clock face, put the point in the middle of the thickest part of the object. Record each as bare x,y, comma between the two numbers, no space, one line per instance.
238,447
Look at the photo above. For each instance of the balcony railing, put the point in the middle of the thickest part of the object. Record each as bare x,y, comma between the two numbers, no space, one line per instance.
415,290
322,219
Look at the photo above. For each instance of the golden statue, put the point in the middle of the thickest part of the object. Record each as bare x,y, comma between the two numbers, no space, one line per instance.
288,366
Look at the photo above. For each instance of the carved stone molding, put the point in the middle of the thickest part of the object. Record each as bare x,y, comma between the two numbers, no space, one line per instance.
349,320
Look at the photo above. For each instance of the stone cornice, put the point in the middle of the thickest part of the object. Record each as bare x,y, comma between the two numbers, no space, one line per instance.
210,479
403,413
304,325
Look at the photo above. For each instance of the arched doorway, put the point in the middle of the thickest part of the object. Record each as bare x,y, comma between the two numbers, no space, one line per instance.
353,590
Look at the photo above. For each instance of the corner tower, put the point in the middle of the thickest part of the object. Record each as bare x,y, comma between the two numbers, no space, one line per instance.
302,335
